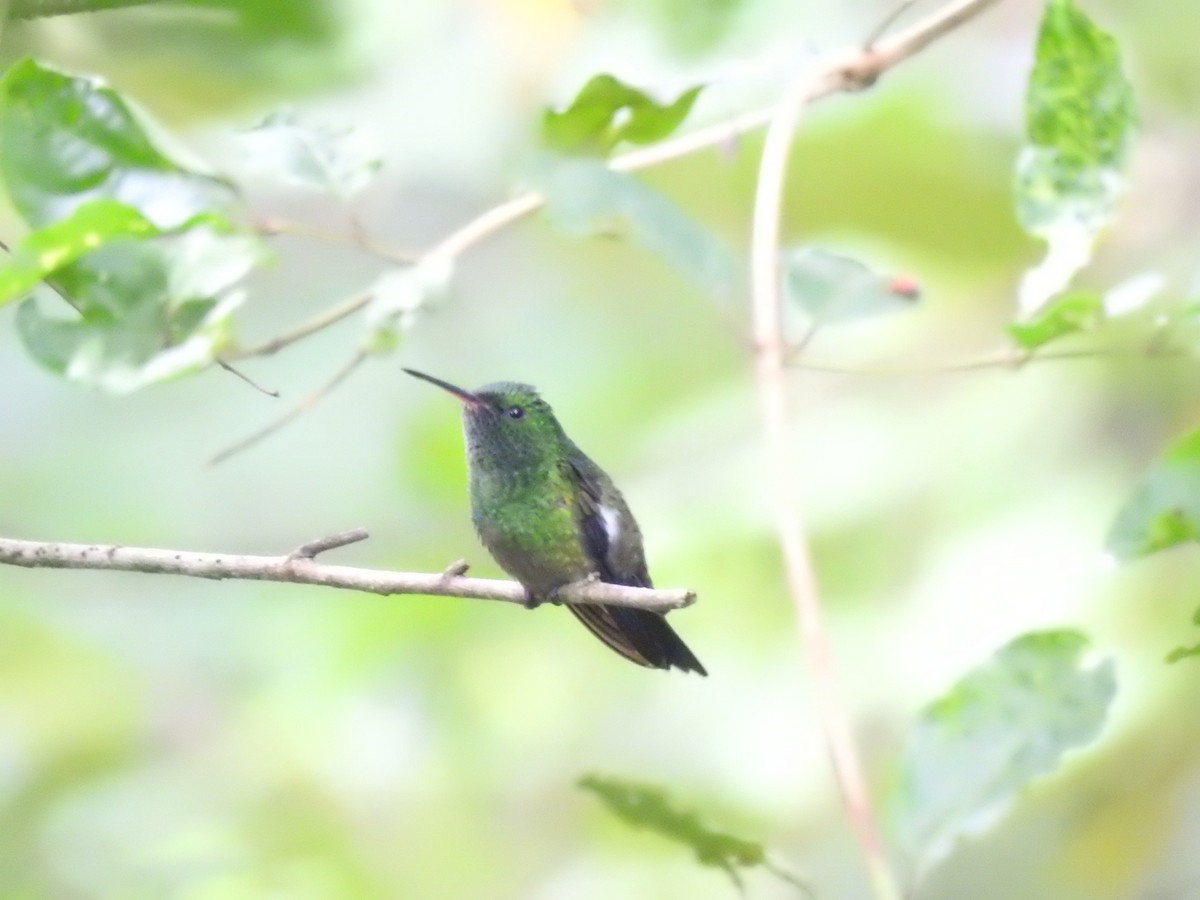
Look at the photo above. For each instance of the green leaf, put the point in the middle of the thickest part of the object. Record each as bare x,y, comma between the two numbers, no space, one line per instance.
1080,120
135,241
1066,315
607,111
1180,653
830,288
1164,509
144,311
90,226
65,141
586,197
341,161
1002,725
649,807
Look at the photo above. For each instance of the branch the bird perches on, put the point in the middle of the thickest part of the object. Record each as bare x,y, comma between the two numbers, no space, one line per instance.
301,567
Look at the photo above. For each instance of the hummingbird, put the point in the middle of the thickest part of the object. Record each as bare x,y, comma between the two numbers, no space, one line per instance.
550,516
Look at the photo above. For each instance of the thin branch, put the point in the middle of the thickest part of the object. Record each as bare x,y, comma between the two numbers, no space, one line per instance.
458,567
49,281
305,404
770,359
246,378
484,225
298,567
855,70
330,542
270,226
850,70
888,21
319,322
1008,358
783,873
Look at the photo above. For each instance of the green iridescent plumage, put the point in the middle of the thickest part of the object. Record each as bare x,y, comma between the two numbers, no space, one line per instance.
550,516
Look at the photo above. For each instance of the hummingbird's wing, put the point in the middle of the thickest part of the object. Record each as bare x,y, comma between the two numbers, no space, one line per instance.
613,545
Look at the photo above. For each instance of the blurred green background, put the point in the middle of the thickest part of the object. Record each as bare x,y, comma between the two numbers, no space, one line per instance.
164,737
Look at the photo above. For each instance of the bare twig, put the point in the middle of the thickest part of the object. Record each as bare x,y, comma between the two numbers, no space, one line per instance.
269,226
319,322
299,567
305,404
783,873
887,22
1008,358
770,358
246,378
311,548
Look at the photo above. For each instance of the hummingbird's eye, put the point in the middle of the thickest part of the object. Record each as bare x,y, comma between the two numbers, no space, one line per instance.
516,412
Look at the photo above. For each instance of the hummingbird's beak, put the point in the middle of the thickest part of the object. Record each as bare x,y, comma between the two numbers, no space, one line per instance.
465,396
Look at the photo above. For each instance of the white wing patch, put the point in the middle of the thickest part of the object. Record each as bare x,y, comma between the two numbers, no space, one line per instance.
612,523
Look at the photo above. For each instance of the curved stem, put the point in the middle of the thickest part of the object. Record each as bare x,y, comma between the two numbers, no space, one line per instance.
307,402
769,361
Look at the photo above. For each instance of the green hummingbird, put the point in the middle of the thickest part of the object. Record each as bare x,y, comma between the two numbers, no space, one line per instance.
550,516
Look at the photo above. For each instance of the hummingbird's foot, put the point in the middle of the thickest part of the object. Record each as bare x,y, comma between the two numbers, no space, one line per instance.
551,597
531,601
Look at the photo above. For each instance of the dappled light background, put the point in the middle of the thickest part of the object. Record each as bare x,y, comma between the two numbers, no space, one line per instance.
166,737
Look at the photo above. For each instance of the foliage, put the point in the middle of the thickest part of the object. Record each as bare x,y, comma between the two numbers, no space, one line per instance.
335,728
138,245
1185,652
1001,725
1164,509
829,288
606,112
341,161
649,807
586,198
1079,120
1062,316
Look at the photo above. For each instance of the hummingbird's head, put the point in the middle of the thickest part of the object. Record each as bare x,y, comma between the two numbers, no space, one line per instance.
507,425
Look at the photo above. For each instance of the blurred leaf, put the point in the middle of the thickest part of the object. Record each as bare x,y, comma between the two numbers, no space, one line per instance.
1080,119
65,141
397,298
1164,509
79,163
1061,317
832,288
341,161
1183,653
586,197
36,9
145,311
91,226
649,807
1002,725
607,111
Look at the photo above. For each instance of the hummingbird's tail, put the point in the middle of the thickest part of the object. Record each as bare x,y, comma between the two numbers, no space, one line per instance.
639,635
